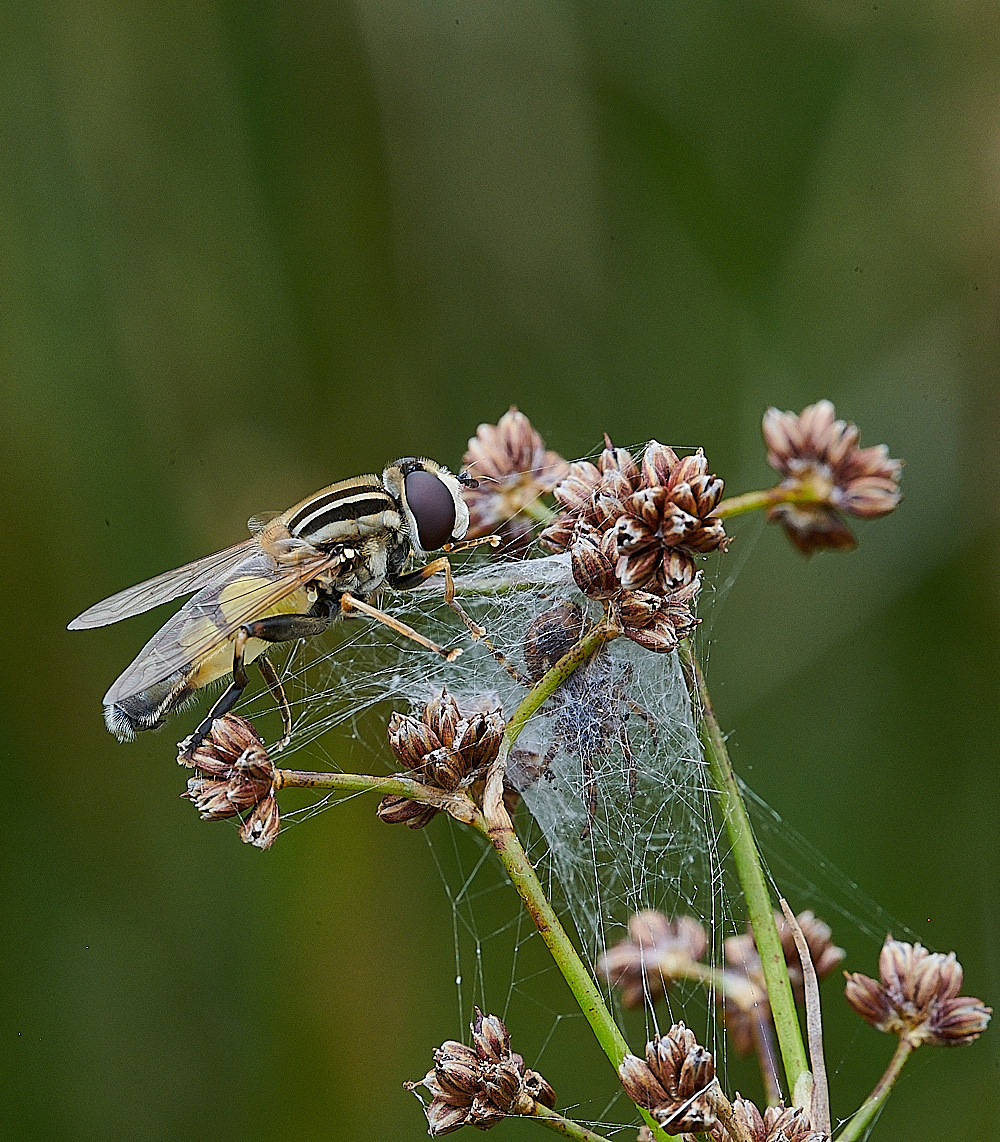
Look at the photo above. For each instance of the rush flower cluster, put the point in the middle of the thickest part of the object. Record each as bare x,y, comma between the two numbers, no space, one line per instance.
777,1124
479,1085
657,952
512,469
917,997
819,458
633,530
444,749
235,775
674,1082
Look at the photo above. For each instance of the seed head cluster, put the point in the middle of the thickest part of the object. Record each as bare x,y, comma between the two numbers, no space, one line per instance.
657,952
777,1124
633,530
917,997
673,1082
444,749
513,469
479,1085
234,775
819,456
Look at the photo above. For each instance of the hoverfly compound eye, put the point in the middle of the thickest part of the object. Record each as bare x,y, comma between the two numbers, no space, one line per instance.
433,507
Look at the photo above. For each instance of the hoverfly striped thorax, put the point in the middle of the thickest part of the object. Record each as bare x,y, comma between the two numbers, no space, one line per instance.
324,557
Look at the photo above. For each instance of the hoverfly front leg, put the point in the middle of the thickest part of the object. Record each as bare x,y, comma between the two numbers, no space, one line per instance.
443,564
349,603
273,628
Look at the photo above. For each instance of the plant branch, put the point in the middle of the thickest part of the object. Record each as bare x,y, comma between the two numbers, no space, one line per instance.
564,1126
752,501
750,871
866,1113
457,805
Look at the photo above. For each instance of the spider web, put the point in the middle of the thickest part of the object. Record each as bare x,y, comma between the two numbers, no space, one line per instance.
651,841
648,840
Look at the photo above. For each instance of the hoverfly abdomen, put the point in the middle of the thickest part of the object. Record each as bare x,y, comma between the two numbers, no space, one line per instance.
149,709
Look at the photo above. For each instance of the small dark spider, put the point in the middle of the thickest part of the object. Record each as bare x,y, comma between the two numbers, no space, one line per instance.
591,708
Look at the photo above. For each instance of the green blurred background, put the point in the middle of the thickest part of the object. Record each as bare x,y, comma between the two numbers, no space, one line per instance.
250,248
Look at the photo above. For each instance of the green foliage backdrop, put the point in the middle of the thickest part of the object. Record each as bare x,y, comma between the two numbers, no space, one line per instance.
249,248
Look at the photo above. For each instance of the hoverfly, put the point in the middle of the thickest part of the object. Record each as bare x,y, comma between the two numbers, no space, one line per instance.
325,557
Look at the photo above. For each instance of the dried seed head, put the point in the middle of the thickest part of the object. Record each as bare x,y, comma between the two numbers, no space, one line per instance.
594,560
262,826
637,527
777,1124
395,809
513,469
657,952
673,1081
479,1085
444,749
918,998
235,775
659,622
819,455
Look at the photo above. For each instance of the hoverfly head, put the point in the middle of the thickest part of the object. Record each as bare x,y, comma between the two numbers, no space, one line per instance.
430,499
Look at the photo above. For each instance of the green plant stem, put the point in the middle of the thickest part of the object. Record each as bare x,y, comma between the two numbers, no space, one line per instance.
750,872
564,1126
547,685
752,501
865,1113
457,805
499,829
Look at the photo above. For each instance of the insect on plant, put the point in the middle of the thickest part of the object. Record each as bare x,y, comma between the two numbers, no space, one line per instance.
325,557
591,709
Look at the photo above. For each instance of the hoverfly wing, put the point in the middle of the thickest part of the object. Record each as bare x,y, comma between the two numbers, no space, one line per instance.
260,520
162,588
250,588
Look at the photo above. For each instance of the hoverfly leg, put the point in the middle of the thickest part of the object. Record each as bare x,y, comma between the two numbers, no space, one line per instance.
227,700
273,628
270,676
349,603
442,564
282,628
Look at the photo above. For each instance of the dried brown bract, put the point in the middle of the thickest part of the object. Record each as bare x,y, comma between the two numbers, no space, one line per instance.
513,469
917,997
444,749
673,1081
657,952
777,1124
819,455
235,775
479,1085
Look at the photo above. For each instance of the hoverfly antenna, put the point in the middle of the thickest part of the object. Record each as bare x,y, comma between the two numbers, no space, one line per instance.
467,480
